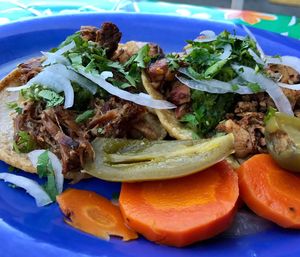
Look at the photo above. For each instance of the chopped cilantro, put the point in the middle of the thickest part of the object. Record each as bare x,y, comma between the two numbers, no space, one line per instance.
24,142
83,117
235,87
45,169
51,97
207,111
14,106
101,131
270,114
254,87
38,92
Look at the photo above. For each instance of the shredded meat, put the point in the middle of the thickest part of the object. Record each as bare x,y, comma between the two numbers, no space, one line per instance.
29,69
247,124
284,74
159,72
108,36
179,93
130,48
56,129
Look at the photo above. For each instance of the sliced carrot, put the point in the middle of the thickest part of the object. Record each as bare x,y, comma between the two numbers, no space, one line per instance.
184,210
270,191
92,213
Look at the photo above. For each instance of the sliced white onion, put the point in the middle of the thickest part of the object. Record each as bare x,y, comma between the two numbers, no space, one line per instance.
237,37
73,76
251,35
291,61
274,91
206,36
289,86
57,57
106,74
226,53
57,167
31,187
256,57
136,98
53,81
213,85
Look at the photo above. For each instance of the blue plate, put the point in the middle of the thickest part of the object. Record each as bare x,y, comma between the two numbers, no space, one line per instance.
26,230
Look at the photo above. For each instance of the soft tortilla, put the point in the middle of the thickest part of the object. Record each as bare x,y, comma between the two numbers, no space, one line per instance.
167,117
7,154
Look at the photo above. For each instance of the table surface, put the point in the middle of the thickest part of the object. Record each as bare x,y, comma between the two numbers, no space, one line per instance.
24,9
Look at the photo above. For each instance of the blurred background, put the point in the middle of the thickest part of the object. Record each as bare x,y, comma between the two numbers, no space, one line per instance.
280,16
287,7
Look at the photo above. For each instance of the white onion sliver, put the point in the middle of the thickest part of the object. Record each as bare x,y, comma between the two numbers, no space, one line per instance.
274,91
136,98
291,61
251,35
52,58
31,187
106,74
226,53
56,164
289,86
73,76
57,57
206,36
255,57
214,86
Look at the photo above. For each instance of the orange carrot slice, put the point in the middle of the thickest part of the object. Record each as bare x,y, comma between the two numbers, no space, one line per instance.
184,210
270,191
92,213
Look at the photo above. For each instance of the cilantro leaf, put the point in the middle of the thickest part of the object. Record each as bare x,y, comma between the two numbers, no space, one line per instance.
207,111
24,142
14,106
45,169
271,112
51,97
83,117
254,87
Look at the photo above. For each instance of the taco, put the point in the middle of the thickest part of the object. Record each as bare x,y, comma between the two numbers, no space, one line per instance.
89,86
223,83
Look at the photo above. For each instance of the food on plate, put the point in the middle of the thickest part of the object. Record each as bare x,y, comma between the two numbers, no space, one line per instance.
140,160
270,191
127,112
182,211
92,213
223,83
283,139
89,86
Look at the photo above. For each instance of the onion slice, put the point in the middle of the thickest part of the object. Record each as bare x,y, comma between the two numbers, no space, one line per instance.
256,57
226,53
206,36
289,86
213,86
73,76
251,35
291,61
274,91
141,98
57,167
53,81
57,57
31,187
